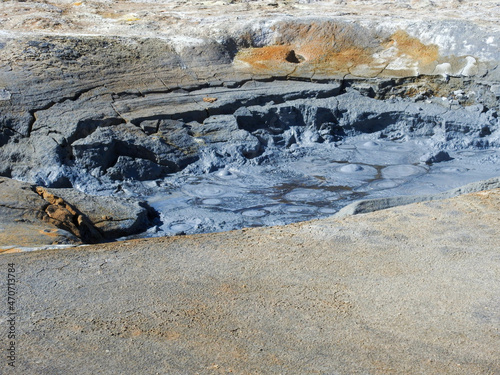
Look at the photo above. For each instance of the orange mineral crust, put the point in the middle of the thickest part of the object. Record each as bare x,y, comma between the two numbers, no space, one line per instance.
336,48
413,48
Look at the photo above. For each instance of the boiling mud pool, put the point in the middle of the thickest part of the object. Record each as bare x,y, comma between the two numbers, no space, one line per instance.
309,182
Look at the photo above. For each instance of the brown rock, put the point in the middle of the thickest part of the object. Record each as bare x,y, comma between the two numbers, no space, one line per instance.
37,217
24,219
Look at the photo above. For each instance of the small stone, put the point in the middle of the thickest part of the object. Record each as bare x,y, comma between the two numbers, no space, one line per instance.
438,157
495,89
5,95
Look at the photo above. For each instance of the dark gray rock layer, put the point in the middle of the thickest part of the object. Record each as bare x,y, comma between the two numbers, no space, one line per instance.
101,137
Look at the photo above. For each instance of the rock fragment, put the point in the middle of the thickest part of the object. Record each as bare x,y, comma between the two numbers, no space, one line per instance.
21,218
35,216
66,216
435,157
113,217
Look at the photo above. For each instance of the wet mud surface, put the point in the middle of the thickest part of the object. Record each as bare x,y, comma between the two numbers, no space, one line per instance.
308,183
217,157
266,119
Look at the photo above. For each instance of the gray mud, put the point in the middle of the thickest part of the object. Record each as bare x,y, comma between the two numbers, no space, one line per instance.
309,182
221,156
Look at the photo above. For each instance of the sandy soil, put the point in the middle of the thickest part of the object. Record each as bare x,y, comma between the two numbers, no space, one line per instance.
409,290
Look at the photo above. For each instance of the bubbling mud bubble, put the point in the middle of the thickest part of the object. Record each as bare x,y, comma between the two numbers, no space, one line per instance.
204,190
385,184
401,171
378,185
467,153
211,201
294,209
358,170
254,213
352,175
305,195
335,196
225,174
327,210
351,168
371,144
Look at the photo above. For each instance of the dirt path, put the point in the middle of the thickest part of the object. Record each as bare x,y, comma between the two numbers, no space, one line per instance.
409,290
